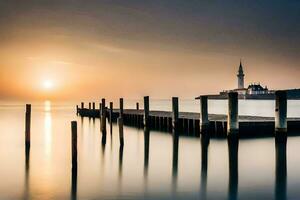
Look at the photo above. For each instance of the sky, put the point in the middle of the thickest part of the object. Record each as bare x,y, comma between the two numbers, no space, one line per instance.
78,49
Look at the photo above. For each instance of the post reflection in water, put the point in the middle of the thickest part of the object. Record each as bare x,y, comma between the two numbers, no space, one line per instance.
146,151
175,161
204,158
281,170
103,140
233,145
27,163
110,126
120,166
93,121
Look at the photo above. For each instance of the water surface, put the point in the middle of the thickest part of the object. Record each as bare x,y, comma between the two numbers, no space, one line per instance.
151,165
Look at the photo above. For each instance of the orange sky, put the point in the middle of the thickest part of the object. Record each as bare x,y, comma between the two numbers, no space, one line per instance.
128,52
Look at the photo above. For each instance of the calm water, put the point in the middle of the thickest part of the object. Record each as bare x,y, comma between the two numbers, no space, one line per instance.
154,166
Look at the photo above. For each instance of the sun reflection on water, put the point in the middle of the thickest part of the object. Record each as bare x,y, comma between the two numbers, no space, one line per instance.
48,127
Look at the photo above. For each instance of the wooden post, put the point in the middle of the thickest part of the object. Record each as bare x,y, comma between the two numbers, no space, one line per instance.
103,121
77,109
103,116
74,143
90,105
146,111
111,115
204,122
281,114
175,113
100,109
120,122
82,105
94,106
27,125
121,108
137,106
232,119
111,111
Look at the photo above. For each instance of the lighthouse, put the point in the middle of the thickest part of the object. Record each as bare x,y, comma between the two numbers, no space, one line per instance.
240,76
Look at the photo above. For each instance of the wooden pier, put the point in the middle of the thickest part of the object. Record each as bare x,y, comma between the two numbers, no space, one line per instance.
189,123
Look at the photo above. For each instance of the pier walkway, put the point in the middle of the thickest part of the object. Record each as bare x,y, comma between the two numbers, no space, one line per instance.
189,122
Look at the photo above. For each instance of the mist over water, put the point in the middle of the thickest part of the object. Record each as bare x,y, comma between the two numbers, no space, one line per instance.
151,165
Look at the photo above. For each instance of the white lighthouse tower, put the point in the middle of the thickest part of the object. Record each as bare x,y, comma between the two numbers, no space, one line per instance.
240,76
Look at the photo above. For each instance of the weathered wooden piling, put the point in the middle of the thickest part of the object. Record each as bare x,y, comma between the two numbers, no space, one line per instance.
111,111
281,114
204,122
232,118
82,105
120,122
74,143
100,109
27,125
137,106
103,121
94,106
121,111
103,116
90,105
175,113
77,110
146,111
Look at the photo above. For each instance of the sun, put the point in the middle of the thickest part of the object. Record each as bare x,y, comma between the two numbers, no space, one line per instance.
48,84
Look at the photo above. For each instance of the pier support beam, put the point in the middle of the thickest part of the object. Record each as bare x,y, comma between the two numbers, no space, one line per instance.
204,122
146,111
120,122
111,111
281,114
27,125
82,105
103,121
94,106
74,143
175,113
232,119
100,109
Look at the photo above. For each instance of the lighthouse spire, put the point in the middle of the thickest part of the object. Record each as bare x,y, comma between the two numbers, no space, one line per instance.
240,76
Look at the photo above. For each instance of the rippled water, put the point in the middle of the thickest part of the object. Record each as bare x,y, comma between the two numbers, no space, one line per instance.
154,165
